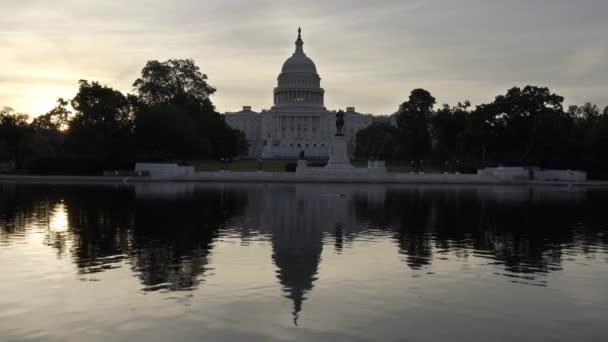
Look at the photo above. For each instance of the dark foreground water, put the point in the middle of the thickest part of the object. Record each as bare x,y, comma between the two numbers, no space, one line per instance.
302,262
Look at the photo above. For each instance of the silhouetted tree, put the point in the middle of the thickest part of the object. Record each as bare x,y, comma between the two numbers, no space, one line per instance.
595,145
176,118
57,119
448,127
527,126
50,130
377,141
171,117
413,124
14,133
176,82
102,126
232,142
169,132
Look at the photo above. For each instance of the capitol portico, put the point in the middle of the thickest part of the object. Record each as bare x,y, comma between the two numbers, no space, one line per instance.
298,121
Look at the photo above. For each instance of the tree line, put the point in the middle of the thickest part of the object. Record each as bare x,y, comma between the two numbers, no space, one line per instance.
169,117
524,127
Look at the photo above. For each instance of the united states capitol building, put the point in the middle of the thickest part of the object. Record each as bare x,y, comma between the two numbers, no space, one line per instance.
298,121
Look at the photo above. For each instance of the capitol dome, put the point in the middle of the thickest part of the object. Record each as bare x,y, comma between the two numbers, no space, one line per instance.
299,83
299,62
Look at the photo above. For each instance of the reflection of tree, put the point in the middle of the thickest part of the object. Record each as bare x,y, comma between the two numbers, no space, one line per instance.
25,208
524,229
167,237
530,241
173,238
13,211
414,219
167,233
17,207
406,213
101,221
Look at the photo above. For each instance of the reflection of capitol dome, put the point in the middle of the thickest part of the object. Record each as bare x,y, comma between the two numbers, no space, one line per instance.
297,255
299,84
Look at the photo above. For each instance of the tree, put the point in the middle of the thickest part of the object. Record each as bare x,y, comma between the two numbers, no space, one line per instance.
49,132
175,118
101,107
377,141
525,126
14,132
176,81
102,126
413,124
231,143
167,133
448,126
57,119
587,112
480,135
595,144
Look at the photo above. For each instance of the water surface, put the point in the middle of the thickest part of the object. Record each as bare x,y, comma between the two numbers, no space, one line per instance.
159,262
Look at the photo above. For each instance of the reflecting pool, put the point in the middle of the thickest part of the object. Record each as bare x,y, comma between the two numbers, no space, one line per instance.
263,262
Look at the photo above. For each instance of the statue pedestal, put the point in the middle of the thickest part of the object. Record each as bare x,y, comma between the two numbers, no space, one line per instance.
302,167
338,155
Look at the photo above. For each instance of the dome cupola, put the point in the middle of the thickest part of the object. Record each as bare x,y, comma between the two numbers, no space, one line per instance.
299,61
299,84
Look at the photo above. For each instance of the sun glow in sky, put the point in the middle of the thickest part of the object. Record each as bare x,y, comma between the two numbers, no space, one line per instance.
370,54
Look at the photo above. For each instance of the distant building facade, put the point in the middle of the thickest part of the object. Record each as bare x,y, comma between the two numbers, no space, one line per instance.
298,121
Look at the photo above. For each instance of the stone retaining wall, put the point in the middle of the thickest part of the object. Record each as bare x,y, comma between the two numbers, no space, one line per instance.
560,175
292,177
533,173
164,170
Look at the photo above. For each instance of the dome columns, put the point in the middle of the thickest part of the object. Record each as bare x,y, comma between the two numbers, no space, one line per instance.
292,96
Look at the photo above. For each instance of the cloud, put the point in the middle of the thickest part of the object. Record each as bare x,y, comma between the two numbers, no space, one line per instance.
369,54
586,61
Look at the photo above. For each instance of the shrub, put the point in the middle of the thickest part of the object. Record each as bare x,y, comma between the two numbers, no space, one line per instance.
316,164
74,165
291,167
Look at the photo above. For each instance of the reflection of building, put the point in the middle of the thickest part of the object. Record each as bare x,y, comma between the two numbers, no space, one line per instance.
297,217
296,254
166,232
310,207
164,191
298,120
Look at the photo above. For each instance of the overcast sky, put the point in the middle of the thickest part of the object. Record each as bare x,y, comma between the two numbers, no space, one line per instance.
370,54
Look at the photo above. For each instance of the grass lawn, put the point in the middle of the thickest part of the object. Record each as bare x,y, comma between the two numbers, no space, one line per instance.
241,165
277,165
